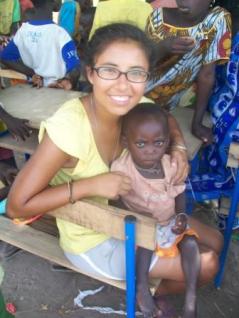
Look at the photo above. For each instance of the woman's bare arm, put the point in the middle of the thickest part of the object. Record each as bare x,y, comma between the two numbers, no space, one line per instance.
30,194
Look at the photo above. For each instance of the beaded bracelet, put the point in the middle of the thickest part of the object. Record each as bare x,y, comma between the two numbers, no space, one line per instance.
70,188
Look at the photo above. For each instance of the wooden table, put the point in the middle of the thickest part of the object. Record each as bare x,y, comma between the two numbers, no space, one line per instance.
34,104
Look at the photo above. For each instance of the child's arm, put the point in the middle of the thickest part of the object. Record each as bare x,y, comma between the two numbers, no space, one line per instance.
181,217
174,45
205,82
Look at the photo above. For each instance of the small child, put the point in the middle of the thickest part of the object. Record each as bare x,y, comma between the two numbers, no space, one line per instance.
43,50
146,136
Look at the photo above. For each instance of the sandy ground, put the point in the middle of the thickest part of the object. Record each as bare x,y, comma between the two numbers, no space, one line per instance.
39,292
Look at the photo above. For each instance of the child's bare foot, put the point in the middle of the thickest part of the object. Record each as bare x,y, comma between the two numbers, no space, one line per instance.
190,307
166,308
146,303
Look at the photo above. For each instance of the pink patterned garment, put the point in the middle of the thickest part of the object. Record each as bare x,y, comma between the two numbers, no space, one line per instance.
148,195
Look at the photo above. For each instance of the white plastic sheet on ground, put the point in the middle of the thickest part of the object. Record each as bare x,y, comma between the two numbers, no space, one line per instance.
103,310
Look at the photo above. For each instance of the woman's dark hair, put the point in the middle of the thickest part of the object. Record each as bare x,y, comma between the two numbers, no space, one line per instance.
118,32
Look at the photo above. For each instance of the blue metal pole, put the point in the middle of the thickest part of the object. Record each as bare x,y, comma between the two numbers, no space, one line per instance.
228,231
130,221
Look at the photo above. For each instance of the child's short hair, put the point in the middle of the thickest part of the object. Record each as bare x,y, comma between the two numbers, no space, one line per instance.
144,109
41,3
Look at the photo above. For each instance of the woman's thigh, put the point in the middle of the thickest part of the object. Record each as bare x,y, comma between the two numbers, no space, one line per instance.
208,236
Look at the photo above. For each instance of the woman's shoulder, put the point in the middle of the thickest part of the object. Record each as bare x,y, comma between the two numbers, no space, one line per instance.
216,14
69,128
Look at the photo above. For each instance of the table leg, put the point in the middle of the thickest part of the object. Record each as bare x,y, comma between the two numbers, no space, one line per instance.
228,230
130,264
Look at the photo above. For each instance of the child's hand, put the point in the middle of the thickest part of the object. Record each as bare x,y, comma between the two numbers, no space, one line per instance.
179,45
63,83
181,222
111,185
37,81
17,127
202,132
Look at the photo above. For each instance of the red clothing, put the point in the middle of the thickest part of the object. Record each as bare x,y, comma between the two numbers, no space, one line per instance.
26,4
164,3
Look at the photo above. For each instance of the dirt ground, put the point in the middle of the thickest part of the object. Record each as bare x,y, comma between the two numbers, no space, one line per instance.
39,292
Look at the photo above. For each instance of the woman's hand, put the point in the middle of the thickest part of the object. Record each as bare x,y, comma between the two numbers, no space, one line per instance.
111,185
179,158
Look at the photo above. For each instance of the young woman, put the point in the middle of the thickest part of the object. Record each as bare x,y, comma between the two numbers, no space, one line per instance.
73,160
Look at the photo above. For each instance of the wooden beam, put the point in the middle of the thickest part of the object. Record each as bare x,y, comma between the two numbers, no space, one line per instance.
12,74
41,244
28,146
26,102
108,220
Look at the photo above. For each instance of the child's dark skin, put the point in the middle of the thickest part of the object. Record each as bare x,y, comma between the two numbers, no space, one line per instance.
17,127
190,13
148,135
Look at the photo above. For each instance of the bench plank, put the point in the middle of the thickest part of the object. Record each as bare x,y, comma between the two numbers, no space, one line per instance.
26,102
36,105
109,220
28,146
41,244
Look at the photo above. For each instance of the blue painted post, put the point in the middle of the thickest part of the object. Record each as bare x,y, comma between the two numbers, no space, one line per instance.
228,231
130,221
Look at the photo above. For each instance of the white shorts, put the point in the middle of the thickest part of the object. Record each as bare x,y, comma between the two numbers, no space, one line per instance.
105,260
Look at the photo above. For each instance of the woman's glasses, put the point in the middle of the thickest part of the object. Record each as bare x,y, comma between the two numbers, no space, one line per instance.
112,73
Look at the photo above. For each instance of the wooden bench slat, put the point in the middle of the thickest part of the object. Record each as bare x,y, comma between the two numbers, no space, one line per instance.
109,220
12,74
41,244
28,146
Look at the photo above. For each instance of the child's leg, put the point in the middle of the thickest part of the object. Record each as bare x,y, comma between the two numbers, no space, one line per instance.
143,294
190,258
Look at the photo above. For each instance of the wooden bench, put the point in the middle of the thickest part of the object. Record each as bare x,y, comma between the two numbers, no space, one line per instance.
101,218
36,105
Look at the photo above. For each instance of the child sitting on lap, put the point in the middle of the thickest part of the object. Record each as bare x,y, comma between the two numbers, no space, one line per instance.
146,135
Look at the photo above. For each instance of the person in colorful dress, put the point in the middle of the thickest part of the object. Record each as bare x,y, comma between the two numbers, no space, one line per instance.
146,136
213,179
192,39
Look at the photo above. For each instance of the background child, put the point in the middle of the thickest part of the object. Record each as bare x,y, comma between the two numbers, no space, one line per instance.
43,50
192,38
10,16
146,136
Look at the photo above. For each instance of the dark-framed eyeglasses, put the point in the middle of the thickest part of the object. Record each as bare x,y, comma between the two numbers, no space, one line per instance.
112,73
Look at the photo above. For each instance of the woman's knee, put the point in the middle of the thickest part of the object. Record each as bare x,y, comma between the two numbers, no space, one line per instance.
209,267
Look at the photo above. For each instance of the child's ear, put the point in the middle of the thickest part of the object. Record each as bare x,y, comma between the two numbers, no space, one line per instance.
124,141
